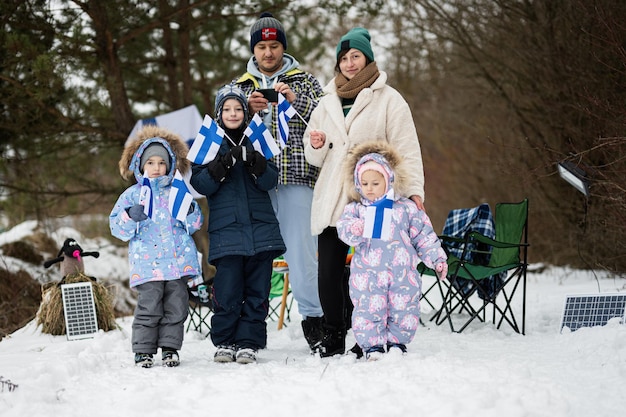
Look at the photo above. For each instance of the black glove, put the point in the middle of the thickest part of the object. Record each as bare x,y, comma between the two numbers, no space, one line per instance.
256,164
239,153
219,167
136,213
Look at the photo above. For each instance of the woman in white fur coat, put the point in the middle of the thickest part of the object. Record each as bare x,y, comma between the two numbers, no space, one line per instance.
358,106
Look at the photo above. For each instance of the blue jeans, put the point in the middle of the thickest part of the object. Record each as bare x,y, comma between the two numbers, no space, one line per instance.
292,205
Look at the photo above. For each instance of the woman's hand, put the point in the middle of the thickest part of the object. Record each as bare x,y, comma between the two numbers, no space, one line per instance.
318,138
418,202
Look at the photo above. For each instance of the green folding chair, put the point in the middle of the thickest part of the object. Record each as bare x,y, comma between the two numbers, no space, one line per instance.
458,224
508,264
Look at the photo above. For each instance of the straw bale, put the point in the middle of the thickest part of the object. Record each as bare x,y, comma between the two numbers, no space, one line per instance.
50,315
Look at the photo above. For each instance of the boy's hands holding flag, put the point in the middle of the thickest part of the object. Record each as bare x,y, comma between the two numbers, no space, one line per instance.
219,167
256,164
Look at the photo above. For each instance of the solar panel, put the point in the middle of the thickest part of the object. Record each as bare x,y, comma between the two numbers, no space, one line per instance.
592,310
79,308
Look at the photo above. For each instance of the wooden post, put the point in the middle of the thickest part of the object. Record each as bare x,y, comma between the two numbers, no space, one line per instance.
283,301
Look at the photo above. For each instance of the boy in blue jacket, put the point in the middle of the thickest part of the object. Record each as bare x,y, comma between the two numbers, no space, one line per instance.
161,252
243,231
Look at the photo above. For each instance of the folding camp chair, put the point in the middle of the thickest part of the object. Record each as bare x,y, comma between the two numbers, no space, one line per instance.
200,312
496,283
280,299
458,224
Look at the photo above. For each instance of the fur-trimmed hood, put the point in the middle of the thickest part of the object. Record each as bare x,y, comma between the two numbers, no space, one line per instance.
131,156
395,163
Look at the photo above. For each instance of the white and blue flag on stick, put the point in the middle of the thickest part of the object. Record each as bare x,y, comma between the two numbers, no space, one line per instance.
285,113
146,199
378,218
207,142
261,138
180,198
184,122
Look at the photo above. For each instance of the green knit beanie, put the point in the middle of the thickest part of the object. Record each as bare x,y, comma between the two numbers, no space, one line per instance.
357,38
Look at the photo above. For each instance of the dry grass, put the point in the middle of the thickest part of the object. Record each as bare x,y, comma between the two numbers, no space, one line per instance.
50,315
20,296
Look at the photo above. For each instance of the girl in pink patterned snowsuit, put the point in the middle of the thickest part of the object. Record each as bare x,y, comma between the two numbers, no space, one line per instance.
385,286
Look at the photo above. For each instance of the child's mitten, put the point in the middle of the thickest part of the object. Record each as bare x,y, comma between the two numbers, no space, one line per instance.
136,213
219,167
442,270
256,164
357,227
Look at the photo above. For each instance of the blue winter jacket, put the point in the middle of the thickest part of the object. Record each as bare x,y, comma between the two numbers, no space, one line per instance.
241,220
159,249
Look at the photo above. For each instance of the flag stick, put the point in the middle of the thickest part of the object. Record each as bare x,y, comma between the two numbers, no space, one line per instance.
231,141
302,118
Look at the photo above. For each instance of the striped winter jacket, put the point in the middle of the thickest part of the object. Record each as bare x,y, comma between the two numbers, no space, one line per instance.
292,165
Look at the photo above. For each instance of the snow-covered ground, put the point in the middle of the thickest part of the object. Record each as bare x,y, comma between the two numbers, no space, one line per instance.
480,372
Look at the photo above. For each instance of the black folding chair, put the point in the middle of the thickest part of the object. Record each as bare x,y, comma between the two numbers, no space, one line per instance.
199,318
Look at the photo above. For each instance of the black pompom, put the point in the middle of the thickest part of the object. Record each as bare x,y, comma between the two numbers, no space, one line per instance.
266,14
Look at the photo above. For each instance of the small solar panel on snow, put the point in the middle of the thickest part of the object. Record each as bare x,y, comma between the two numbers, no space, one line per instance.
592,310
79,309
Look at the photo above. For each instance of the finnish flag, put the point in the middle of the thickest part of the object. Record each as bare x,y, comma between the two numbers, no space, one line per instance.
146,199
207,143
184,122
180,198
285,113
261,138
378,218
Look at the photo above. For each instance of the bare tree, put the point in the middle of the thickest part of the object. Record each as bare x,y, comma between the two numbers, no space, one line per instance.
505,89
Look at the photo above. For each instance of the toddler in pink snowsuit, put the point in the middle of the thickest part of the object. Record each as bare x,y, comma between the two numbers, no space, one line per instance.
390,236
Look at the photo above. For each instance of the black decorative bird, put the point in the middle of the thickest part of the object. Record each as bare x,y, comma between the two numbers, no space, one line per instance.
71,258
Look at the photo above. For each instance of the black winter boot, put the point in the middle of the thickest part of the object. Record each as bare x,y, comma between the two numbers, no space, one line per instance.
313,332
356,349
333,343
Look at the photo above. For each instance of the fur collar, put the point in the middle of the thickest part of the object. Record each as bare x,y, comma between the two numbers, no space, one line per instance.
177,145
396,163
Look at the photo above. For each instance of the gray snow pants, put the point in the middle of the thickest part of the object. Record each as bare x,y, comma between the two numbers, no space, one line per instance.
160,315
